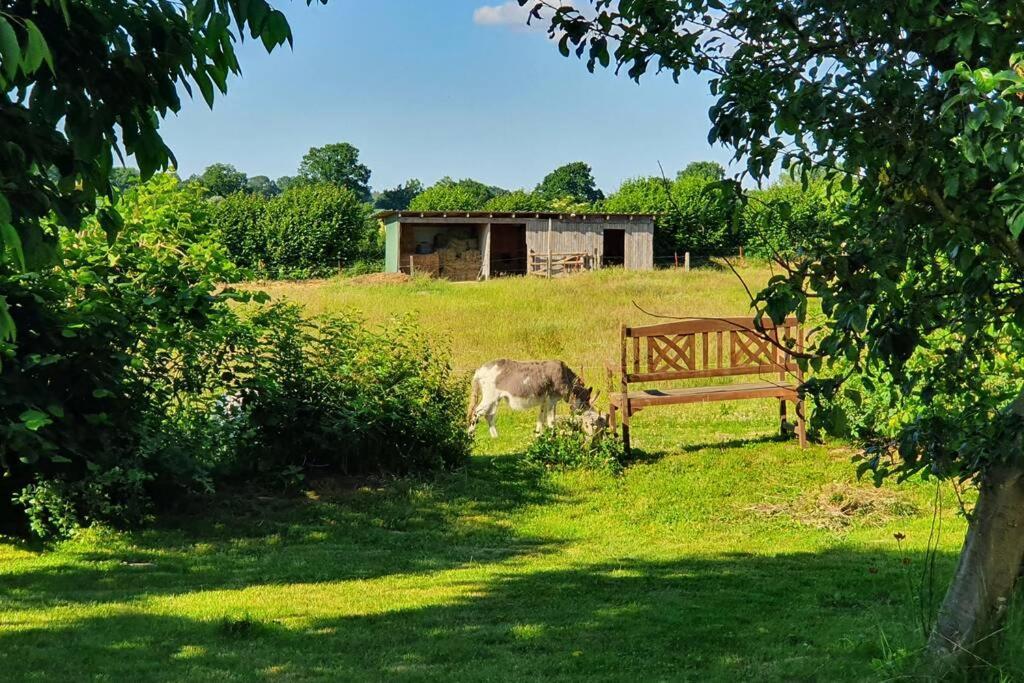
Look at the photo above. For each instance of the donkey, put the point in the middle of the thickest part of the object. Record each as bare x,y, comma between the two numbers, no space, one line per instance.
525,385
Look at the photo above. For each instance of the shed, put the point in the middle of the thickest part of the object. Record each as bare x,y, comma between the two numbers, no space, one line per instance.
469,245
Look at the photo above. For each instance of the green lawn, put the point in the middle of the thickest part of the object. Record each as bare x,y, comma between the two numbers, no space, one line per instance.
722,553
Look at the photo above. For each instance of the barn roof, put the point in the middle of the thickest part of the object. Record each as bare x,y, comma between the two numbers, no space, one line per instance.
509,215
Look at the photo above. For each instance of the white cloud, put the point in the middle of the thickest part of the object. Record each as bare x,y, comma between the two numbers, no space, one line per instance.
506,14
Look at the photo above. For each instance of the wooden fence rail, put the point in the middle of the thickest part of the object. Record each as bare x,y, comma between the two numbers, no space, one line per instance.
549,265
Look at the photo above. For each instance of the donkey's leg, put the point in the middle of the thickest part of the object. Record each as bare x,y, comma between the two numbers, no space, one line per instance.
542,417
552,405
492,414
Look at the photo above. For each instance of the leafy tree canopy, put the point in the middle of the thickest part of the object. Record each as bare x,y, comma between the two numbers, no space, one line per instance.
575,180
398,198
123,178
916,109
83,82
261,184
285,182
337,163
708,169
695,212
220,180
517,200
454,195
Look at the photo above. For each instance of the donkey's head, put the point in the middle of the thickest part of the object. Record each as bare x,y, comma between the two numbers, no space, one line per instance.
581,397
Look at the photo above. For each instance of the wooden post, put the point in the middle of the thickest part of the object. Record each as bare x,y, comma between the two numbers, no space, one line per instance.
485,251
677,260
742,263
686,261
550,224
410,265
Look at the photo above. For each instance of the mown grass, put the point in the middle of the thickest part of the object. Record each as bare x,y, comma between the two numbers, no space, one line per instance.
721,553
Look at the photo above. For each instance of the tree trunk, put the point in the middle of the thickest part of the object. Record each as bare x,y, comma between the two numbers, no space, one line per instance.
990,563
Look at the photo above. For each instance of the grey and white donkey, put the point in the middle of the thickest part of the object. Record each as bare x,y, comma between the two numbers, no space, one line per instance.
529,384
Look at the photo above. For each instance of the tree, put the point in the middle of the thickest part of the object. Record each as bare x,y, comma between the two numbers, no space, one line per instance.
785,218
285,182
398,198
65,110
123,178
337,163
694,213
455,195
517,200
220,180
917,109
708,169
262,185
575,180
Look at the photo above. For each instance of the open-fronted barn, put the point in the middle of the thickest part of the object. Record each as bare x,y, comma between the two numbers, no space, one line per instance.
470,245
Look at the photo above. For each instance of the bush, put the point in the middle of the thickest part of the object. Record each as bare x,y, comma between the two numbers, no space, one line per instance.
330,393
786,218
135,381
567,446
303,232
309,228
695,213
455,195
240,219
517,200
105,342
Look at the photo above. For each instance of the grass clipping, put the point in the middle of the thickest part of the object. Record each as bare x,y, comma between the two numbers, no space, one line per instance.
567,446
838,506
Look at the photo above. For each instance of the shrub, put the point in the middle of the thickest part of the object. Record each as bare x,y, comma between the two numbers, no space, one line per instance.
303,232
695,213
309,228
240,220
119,390
517,200
105,341
785,218
567,446
455,195
333,394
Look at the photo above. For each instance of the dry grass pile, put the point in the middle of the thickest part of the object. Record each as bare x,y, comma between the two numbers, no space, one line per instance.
837,506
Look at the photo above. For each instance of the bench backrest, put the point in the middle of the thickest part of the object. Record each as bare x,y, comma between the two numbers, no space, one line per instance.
719,347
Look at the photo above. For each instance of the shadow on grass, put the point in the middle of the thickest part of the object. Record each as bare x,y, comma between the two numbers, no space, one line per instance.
835,615
336,532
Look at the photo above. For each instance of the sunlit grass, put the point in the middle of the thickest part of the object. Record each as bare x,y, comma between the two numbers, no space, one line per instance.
721,553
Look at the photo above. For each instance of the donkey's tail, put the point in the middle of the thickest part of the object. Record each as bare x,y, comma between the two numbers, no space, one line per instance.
474,398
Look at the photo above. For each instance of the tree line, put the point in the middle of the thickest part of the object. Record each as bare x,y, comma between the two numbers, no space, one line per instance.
323,217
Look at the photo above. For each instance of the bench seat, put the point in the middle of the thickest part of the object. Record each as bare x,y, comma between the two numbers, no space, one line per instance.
762,352
639,400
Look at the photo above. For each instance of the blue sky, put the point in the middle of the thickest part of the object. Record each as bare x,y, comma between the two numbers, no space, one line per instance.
428,88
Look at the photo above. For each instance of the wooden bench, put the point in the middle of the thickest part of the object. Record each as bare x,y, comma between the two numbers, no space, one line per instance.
696,349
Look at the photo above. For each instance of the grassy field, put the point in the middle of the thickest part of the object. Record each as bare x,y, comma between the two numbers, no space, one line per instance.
722,553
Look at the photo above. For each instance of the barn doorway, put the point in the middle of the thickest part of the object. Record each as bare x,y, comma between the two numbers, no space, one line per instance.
614,247
508,250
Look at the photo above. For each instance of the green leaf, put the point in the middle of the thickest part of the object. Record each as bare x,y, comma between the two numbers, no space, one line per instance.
8,330
1017,225
10,51
12,241
36,49
34,420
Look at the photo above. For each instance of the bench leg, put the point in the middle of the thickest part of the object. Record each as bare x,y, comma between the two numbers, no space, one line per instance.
612,419
625,430
782,417
801,424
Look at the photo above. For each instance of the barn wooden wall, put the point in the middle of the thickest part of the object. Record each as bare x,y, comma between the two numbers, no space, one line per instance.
570,237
